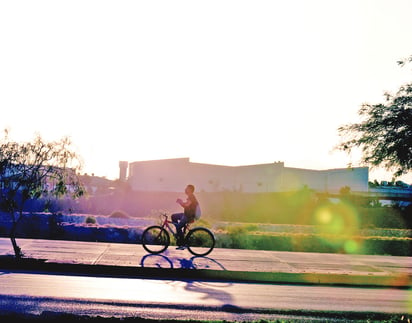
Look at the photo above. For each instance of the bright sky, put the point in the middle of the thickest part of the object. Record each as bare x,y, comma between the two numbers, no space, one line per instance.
222,82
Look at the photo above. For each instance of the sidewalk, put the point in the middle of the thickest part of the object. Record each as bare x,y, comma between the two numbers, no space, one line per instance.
97,258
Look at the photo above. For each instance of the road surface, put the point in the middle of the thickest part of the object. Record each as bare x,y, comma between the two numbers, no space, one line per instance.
37,292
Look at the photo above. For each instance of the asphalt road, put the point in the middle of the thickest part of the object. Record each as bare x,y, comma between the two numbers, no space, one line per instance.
37,292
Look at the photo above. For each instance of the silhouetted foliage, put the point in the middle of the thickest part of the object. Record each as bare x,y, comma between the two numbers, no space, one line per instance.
90,220
33,170
385,133
119,214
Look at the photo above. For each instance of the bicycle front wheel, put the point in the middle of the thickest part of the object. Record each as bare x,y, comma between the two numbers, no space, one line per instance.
200,241
155,239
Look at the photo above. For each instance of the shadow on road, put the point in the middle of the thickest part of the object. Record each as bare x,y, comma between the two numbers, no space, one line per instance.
208,290
195,262
156,261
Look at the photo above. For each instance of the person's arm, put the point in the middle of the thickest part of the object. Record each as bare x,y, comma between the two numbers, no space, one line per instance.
184,204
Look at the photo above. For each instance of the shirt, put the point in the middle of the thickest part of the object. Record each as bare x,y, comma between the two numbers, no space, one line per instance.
190,211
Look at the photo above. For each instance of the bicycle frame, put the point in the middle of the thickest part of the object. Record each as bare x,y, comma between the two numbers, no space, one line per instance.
199,241
166,224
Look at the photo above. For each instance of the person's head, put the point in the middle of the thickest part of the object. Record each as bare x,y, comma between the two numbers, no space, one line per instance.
190,189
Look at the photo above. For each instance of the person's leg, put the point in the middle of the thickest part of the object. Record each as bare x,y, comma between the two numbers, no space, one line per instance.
177,217
180,237
179,221
183,222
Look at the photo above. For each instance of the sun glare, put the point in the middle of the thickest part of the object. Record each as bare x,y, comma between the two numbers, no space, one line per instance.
338,226
126,84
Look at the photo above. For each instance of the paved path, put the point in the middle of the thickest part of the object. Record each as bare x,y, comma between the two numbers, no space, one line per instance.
257,265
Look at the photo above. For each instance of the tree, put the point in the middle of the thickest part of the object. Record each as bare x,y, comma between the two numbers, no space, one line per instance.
385,133
34,170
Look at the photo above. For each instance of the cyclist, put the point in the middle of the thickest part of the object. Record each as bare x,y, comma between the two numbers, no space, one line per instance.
181,219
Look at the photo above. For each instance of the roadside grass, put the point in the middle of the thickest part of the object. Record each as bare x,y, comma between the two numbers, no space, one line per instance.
397,242
337,236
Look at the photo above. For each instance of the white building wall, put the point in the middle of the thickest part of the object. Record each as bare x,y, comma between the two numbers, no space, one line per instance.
296,178
259,178
159,175
355,178
209,178
175,174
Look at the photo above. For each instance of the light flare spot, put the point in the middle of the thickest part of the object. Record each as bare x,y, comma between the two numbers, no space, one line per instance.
351,246
338,225
323,216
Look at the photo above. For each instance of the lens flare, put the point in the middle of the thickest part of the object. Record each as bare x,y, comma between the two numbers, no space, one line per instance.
323,216
351,246
338,226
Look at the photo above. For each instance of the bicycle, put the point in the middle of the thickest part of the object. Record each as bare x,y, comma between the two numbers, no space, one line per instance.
199,241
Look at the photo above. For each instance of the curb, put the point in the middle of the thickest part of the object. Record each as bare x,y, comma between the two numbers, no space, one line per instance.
41,265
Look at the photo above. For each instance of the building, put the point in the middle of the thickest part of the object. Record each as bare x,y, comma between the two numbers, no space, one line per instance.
172,175
123,170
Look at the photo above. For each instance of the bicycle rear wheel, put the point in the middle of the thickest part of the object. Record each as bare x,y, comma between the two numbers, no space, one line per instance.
200,241
155,239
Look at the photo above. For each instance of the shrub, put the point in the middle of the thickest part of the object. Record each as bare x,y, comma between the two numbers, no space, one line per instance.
384,217
240,239
394,247
90,220
202,223
119,214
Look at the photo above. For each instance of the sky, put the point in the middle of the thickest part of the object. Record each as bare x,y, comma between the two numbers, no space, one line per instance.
221,82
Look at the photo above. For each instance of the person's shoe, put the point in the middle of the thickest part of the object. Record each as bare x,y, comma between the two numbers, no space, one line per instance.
181,248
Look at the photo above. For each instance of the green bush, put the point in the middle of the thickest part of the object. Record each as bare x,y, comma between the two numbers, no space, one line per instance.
202,223
382,217
119,214
238,238
90,220
299,207
394,247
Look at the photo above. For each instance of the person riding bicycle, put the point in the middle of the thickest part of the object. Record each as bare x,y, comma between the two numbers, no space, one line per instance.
190,206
